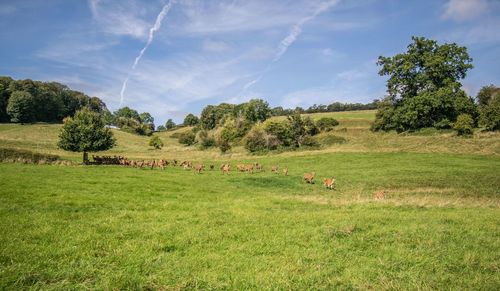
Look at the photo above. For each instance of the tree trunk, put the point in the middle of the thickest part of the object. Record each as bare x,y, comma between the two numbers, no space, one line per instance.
85,158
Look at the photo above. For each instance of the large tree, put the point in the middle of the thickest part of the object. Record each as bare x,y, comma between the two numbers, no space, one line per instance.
424,88
85,132
21,107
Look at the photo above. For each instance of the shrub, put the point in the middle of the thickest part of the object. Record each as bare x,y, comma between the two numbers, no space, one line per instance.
443,124
187,138
205,139
256,140
310,126
326,123
309,141
156,142
280,130
464,124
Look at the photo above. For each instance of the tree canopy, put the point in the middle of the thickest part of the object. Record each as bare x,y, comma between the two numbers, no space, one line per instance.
85,132
423,87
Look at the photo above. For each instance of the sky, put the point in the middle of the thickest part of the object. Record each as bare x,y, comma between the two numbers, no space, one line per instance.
171,58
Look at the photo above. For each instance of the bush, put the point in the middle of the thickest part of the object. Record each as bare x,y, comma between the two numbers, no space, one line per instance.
309,141
256,140
156,142
187,138
310,126
280,130
205,139
326,123
443,124
464,124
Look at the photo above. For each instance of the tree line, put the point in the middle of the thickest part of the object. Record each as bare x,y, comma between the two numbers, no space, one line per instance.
26,101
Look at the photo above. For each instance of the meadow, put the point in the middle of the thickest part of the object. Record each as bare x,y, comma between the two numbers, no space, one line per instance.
113,227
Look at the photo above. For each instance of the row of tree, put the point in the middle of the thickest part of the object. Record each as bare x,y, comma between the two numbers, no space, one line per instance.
333,107
26,101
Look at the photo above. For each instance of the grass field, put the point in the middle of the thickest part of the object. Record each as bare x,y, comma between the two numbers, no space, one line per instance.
110,227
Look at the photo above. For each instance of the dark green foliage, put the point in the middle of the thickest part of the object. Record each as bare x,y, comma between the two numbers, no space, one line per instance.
297,128
208,119
443,124
256,110
326,123
161,128
21,107
170,124
423,86
464,124
281,130
490,113
187,138
128,113
191,120
51,101
156,142
131,121
7,154
85,132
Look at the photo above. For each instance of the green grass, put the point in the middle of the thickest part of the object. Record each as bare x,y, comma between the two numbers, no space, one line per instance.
123,228
111,227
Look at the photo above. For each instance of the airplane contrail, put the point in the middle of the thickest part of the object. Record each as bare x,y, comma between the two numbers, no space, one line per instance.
164,11
290,39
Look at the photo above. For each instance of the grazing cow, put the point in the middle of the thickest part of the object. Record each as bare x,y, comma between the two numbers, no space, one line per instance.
225,169
309,177
379,195
249,168
140,164
285,171
241,167
198,168
162,163
274,169
329,183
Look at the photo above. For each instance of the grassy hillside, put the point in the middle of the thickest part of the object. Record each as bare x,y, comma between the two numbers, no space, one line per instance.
354,127
112,227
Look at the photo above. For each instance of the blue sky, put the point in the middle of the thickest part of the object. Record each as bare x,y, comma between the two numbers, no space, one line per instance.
290,53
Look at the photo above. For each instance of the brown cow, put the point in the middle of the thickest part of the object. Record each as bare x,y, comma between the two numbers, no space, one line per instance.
309,177
274,169
329,183
249,168
241,167
225,168
198,168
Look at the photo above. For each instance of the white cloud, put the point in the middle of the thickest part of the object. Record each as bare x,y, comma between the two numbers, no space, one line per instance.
215,46
121,17
462,10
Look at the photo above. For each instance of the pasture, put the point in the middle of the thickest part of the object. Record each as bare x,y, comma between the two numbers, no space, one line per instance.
115,227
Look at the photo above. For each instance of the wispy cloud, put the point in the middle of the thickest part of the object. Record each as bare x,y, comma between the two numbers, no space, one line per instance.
292,36
462,10
152,30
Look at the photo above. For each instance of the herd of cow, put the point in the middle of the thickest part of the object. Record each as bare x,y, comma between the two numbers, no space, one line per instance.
188,165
